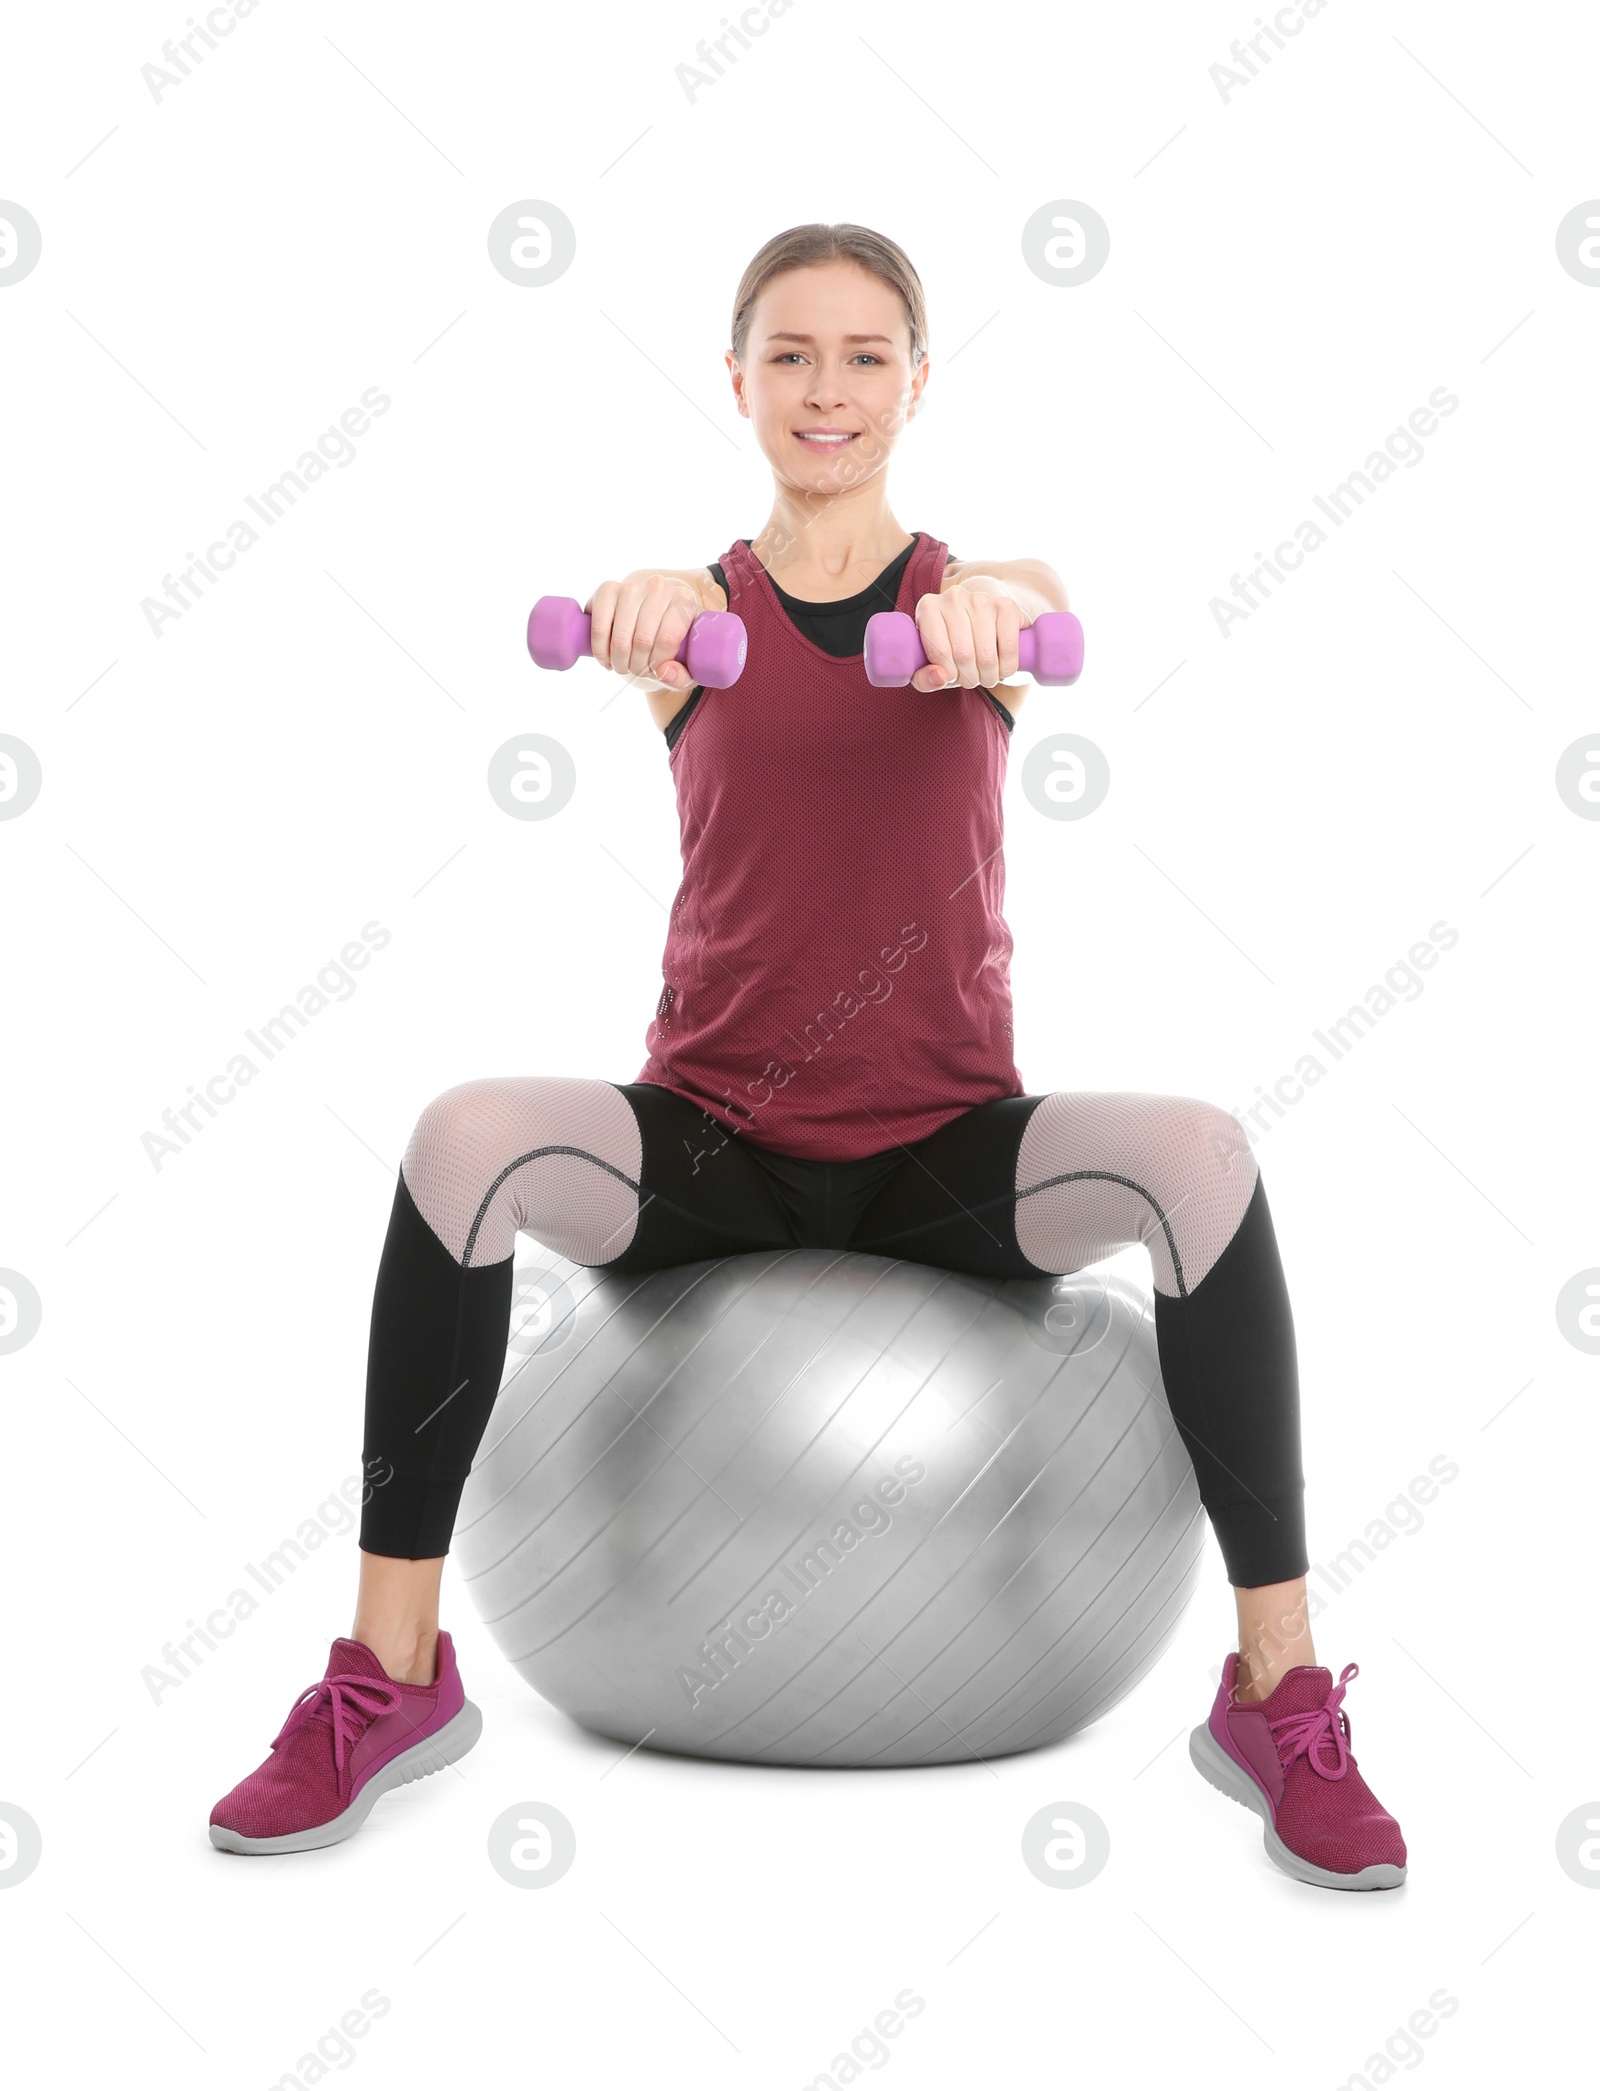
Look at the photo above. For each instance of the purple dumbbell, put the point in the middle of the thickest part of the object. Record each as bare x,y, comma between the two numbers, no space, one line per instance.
713,653
1050,649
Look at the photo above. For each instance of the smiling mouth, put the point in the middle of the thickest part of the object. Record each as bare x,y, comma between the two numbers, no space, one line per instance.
815,439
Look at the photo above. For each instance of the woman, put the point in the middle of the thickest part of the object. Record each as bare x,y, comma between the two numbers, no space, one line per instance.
831,1065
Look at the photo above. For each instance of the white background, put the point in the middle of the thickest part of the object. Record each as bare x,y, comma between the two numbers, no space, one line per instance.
1292,271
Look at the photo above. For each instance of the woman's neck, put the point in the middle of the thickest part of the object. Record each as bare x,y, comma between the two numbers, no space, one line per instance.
823,547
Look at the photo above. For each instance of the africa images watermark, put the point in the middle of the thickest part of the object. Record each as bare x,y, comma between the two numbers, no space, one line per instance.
1403,2046
335,447
274,1034
864,1519
1287,22
1400,983
1401,1517
335,1516
1403,446
202,37
873,986
754,22
868,2047
333,2049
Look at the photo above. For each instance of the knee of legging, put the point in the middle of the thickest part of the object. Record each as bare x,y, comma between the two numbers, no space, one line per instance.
455,1151
1207,1176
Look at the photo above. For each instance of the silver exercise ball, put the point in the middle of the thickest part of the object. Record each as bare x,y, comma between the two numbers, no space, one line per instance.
814,1507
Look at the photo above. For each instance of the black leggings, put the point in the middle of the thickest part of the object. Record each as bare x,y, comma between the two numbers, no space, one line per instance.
440,1320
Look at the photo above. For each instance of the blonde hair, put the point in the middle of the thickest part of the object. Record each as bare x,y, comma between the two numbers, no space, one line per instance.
803,246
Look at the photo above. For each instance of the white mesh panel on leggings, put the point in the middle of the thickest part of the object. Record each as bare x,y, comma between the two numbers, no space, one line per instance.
1097,1172
554,1155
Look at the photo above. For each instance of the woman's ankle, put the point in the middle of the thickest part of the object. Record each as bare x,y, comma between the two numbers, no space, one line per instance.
1247,1684
409,1654
1274,1636
1260,1675
397,1614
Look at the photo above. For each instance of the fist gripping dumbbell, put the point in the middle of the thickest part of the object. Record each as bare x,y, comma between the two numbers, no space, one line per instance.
713,653
1050,649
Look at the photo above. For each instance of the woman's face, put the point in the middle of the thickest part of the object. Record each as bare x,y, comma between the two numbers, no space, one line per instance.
828,349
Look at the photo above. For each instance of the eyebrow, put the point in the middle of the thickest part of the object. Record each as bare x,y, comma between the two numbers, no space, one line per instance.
847,337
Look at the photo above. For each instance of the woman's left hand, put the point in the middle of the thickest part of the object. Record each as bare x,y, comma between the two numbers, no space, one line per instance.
970,638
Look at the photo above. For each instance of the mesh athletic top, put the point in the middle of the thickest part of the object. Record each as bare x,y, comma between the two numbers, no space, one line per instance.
839,628
836,976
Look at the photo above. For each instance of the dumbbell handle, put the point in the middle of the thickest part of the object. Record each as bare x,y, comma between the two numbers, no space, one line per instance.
1050,649
559,633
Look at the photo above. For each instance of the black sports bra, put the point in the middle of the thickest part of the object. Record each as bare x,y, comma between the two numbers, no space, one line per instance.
839,627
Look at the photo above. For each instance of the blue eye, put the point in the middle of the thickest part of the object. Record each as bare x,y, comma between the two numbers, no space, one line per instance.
856,358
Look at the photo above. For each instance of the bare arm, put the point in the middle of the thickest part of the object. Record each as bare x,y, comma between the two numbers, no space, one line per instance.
698,578
1031,584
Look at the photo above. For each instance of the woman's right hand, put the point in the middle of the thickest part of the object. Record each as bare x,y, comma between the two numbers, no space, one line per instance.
637,625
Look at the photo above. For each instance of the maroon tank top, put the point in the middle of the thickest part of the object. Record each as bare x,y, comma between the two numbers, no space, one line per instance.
836,979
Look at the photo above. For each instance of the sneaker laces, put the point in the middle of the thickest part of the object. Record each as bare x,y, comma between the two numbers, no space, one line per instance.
1317,1728
348,1702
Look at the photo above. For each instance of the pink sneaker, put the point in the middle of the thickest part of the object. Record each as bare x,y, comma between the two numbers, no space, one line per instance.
352,1736
1287,1757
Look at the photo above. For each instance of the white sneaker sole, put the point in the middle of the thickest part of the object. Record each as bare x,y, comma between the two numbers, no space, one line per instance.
452,1741
1214,1764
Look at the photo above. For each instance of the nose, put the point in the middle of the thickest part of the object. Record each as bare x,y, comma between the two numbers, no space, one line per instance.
822,394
